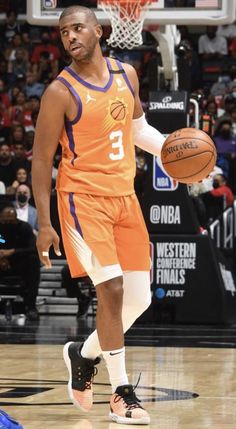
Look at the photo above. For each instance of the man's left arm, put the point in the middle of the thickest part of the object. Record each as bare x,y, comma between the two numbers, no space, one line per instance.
145,136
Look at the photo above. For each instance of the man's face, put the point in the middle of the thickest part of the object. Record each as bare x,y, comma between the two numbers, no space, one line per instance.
5,153
19,151
211,32
79,36
23,194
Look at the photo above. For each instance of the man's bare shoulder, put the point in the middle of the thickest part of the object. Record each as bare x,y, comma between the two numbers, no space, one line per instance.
130,70
132,75
57,90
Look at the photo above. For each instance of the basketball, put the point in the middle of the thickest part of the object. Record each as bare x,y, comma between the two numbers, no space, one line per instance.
188,155
118,110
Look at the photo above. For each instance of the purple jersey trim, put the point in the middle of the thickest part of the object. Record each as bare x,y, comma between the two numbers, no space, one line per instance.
125,77
73,213
89,85
77,97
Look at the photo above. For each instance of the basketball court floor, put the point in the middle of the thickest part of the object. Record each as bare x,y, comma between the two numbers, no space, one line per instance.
188,375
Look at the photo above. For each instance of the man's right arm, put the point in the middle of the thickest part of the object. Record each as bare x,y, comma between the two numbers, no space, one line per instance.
49,127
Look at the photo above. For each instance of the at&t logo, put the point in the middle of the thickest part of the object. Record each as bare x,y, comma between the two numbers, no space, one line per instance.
160,293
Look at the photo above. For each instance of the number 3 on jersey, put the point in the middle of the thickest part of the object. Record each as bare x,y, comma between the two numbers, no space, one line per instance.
116,138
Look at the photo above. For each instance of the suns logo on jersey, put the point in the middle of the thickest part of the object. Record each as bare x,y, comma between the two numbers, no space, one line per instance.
118,110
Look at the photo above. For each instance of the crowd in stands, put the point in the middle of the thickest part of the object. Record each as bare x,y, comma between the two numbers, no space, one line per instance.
32,56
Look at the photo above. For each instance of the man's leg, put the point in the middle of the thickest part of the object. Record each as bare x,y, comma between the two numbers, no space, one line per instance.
136,299
28,266
109,323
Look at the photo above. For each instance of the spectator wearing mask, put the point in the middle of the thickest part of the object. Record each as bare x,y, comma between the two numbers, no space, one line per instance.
18,256
220,188
224,138
24,210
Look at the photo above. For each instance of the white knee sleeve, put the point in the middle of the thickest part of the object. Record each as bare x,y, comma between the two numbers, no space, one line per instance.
137,296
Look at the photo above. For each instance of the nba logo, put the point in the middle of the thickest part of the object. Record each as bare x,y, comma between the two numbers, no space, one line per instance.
50,4
161,180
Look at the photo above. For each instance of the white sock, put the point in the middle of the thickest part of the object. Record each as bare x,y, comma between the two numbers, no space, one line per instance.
91,347
115,362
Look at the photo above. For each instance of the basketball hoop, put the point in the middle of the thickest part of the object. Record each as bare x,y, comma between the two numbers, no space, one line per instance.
127,17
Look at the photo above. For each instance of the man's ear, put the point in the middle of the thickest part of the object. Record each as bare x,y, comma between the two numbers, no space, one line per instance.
99,31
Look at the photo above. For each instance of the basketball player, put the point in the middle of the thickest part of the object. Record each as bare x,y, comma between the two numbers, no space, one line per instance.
93,109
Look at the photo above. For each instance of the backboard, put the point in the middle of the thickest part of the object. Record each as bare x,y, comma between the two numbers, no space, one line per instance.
180,12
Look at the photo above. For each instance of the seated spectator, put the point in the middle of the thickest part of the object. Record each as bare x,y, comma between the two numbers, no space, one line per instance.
4,74
45,46
45,70
221,86
206,185
16,111
4,97
220,188
24,210
211,46
7,165
232,48
17,134
228,31
33,87
223,137
4,126
20,65
10,27
18,256
29,141
21,178
229,103
21,110
10,51
34,104
73,290
19,152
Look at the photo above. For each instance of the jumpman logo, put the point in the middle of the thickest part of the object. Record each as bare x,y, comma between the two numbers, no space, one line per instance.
89,98
120,85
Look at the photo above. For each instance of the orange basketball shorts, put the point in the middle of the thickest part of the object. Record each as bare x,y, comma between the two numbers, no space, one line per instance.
109,229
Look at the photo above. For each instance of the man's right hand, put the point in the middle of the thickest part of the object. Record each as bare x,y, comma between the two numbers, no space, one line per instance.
46,238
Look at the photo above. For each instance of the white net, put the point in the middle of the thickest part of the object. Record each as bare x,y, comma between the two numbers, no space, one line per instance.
126,19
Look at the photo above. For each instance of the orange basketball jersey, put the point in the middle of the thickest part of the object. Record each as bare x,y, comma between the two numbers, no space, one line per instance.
98,154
